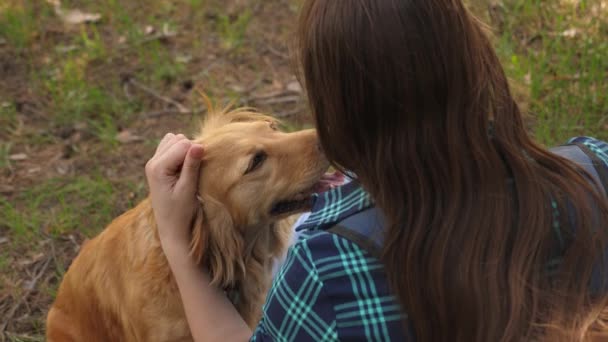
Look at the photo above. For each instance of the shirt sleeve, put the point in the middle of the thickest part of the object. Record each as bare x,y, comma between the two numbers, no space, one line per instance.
297,307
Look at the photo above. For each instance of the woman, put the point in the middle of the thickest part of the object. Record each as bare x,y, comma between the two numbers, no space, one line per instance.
488,236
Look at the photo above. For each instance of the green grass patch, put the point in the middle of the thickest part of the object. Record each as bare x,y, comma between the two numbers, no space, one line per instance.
232,29
18,338
17,25
5,150
557,50
159,63
8,119
4,262
75,98
92,43
197,5
59,206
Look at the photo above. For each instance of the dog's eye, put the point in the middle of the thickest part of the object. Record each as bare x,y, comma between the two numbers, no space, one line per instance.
257,161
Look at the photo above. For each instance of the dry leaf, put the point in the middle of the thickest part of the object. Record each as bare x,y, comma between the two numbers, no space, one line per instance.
570,33
125,137
35,258
18,156
237,88
3,240
528,78
184,59
148,30
167,31
75,17
294,86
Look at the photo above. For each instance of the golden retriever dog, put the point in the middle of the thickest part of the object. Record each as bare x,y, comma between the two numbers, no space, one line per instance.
253,176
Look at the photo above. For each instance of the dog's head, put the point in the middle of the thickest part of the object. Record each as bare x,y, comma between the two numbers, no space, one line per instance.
252,175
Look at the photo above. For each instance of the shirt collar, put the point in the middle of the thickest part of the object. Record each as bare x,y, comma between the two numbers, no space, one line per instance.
332,206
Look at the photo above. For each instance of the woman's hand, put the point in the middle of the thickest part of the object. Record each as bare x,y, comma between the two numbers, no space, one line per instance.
172,175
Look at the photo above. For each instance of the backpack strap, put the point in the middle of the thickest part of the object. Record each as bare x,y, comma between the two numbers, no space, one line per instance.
588,160
366,228
600,167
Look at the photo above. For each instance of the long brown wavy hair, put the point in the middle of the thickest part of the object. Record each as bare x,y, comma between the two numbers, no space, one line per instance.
491,237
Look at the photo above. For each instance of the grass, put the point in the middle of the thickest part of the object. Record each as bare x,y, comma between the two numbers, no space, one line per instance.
63,100
232,29
161,62
17,25
59,206
557,50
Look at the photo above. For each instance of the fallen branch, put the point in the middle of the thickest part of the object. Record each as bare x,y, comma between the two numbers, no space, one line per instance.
279,99
276,52
182,109
30,288
158,113
288,113
7,189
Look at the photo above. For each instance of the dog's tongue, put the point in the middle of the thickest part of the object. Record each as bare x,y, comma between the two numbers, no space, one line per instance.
329,181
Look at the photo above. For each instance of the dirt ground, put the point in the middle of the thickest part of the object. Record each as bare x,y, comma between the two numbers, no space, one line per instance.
85,97
87,167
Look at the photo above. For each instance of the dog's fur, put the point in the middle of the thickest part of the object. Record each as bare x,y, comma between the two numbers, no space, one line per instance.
120,287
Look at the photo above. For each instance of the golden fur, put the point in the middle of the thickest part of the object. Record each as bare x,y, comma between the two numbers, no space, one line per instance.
120,287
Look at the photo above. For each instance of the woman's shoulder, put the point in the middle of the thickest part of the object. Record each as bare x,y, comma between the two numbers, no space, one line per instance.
330,251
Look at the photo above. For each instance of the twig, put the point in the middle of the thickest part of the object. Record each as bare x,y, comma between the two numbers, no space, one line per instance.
161,36
7,189
211,65
158,113
22,337
150,91
25,296
276,52
253,86
280,99
271,95
125,89
289,113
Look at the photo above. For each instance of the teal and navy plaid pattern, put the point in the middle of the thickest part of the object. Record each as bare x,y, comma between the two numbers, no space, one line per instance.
333,206
330,289
600,148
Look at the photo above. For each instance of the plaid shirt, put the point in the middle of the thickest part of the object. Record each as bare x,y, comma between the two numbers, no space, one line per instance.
329,288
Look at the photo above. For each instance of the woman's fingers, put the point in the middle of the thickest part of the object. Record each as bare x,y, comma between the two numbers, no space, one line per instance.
163,142
188,179
173,158
169,140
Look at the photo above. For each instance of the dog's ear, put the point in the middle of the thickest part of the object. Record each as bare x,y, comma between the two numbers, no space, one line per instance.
217,243
200,236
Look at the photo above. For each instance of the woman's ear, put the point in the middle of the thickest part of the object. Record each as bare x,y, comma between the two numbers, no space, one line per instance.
217,243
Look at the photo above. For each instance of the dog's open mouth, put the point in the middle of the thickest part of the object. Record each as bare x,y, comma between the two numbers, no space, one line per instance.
303,200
